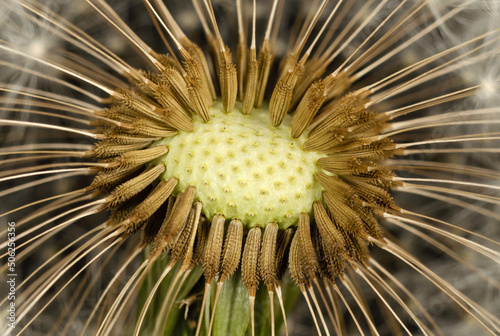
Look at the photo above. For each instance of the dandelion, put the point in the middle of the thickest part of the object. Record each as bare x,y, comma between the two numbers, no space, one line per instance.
194,169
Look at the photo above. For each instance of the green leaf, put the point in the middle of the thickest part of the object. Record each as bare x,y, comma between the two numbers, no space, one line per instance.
233,311
232,315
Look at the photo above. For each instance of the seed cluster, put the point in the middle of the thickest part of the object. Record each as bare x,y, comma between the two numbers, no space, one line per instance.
253,167
208,183
309,202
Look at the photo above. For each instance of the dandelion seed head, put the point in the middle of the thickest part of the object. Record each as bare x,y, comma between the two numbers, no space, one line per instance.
345,159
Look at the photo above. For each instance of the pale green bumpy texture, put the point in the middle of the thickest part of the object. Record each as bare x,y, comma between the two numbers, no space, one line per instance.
244,168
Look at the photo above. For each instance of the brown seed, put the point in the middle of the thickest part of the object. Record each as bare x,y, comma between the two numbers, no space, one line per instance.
139,103
314,69
384,147
228,80
241,64
371,193
145,80
107,179
332,238
119,136
346,166
181,243
282,249
118,112
267,257
176,118
370,222
283,93
190,252
326,142
152,226
199,55
251,83
350,225
154,200
343,215
148,128
178,87
302,261
249,261
175,220
213,249
309,105
335,186
167,99
122,212
330,265
231,252
339,113
265,61
106,149
138,157
201,241
133,186
199,95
